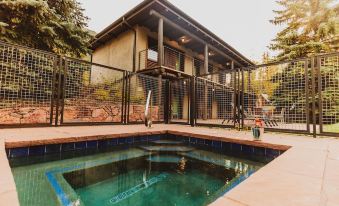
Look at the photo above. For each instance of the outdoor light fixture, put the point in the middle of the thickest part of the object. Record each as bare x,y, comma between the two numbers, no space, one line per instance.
184,39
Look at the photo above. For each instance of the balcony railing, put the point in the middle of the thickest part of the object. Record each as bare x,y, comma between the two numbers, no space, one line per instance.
173,59
176,60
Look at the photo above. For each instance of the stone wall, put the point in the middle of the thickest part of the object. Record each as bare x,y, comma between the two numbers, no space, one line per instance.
35,115
24,115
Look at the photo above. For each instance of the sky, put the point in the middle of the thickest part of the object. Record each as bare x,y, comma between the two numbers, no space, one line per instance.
243,24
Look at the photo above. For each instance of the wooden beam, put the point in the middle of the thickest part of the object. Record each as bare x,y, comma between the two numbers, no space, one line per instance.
172,24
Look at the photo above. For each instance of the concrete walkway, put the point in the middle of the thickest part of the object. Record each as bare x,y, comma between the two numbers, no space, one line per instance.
307,174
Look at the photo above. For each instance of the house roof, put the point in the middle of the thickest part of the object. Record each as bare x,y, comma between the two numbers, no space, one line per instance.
140,15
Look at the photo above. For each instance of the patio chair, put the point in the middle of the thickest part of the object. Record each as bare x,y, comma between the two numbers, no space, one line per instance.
280,116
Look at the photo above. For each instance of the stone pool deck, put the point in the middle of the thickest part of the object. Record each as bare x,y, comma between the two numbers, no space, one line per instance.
306,174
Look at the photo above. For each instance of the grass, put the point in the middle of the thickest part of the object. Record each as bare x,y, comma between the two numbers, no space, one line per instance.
331,128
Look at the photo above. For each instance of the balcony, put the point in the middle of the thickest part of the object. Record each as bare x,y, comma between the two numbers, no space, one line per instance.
174,61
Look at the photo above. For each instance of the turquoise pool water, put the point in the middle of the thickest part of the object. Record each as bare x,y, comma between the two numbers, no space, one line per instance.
150,174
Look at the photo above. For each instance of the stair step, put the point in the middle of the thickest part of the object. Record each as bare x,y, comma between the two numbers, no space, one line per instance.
167,142
167,148
166,159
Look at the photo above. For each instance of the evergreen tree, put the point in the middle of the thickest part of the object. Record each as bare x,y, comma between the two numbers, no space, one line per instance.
309,27
52,25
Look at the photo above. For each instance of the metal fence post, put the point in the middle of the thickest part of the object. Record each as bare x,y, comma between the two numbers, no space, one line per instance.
242,98
54,90
58,94
307,109
128,96
167,103
123,95
320,100
234,97
314,119
193,101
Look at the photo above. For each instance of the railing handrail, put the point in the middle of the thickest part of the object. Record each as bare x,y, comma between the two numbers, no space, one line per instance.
148,116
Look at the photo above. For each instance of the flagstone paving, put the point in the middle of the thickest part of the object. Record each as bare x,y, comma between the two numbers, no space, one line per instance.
306,174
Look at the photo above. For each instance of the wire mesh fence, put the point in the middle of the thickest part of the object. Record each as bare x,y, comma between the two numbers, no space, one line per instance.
277,94
328,87
180,100
26,85
91,93
41,88
139,86
214,103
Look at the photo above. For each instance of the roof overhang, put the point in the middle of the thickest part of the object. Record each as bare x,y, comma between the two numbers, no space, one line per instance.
141,15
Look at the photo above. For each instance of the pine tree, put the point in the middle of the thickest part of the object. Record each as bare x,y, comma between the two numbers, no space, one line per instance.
309,27
52,25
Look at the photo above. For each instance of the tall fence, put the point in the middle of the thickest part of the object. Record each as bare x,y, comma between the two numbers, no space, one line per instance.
90,93
138,86
180,100
26,85
299,96
278,94
39,88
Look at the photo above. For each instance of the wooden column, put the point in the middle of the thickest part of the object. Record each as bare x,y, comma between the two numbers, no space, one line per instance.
206,59
160,42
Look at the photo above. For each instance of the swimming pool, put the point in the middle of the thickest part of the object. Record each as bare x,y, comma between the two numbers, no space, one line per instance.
145,170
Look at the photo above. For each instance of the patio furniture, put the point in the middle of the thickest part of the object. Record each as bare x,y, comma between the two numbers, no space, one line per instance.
280,116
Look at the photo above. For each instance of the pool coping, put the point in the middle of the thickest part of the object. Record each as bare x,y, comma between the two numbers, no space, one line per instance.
290,175
8,191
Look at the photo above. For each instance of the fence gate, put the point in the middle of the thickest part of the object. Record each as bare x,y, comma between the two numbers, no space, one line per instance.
180,101
26,86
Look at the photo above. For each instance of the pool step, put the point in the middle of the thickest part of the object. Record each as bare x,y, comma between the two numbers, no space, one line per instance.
167,142
167,148
166,159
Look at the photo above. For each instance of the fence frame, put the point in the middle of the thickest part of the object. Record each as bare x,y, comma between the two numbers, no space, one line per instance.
312,88
51,101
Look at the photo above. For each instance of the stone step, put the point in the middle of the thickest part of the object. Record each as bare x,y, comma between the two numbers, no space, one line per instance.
165,158
167,148
167,142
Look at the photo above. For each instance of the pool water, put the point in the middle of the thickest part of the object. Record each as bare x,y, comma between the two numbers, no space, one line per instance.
149,174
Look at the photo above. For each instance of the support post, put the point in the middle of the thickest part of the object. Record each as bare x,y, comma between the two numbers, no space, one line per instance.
123,91
160,42
239,98
234,94
58,95
307,109
192,102
320,99
242,98
205,110
314,119
206,59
